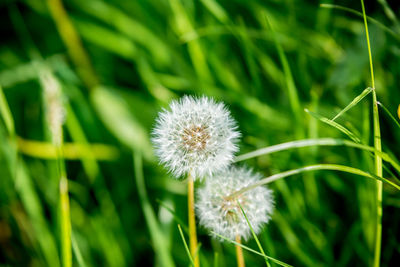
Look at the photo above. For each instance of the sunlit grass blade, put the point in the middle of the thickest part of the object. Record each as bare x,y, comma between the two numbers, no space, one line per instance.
252,250
72,151
73,42
316,142
157,237
336,125
332,167
254,234
378,146
390,114
291,87
77,251
6,114
370,19
354,102
185,244
109,105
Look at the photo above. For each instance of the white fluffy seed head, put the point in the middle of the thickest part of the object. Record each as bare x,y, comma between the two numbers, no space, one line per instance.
222,214
196,136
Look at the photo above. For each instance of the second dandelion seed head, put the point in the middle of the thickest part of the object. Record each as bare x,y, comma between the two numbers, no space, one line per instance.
196,136
221,213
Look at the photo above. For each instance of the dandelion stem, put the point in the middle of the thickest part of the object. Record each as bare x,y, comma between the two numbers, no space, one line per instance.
378,147
192,222
239,252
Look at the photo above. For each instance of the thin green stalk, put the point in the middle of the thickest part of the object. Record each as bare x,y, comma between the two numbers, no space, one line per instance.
157,237
355,12
6,114
66,246
291,87
254,234
185,244
77,251
192,222
378,147
316,142
389,113
251,250
332,167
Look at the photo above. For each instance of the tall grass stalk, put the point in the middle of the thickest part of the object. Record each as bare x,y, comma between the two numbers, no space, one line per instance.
378,147
157,236
66,246
192,222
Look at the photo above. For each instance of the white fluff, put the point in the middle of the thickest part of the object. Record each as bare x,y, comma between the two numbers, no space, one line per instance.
196,136
223,215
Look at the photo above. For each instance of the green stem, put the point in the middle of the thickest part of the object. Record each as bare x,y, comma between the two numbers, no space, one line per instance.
192,222
378,147
66,248
332,167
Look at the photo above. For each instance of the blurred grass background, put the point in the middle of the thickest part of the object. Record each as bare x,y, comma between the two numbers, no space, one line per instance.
120,62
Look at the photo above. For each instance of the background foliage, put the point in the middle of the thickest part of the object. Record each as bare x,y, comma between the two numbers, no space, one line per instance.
133,58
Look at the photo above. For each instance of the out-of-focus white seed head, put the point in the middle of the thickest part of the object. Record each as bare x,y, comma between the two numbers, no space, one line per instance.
196,136
55,111
222,214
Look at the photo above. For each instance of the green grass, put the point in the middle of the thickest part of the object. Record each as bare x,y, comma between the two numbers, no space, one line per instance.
120,62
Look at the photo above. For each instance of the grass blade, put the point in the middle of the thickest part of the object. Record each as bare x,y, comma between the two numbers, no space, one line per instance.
185,244
355,12
291,87
354,102
77,251
72,151
316,142
252,250
390,114
6,114
336,125
156,235
254,234
378,146
332,167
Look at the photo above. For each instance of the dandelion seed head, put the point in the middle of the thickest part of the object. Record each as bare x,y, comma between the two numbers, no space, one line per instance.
196,136
220,213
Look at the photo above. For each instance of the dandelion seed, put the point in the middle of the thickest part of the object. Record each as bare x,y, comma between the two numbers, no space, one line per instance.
220,213
196,136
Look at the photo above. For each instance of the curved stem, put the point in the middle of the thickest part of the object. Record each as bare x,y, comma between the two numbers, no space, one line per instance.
192,222
239,253
332,167
378,147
